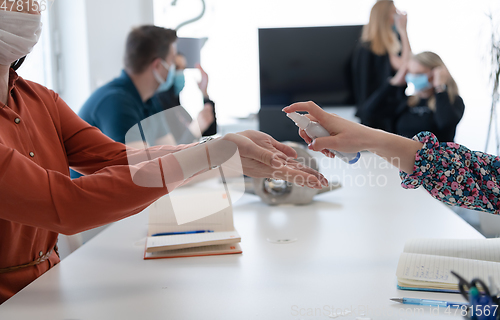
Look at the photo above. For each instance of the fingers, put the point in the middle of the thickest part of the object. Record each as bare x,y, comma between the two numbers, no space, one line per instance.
299,177
287,150
304,136
309,107
257,169
265,149
266,157
293,172
311,117
322,143
299,166
328,153
325,152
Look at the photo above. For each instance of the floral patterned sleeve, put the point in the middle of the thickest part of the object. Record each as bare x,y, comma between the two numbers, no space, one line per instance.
455,175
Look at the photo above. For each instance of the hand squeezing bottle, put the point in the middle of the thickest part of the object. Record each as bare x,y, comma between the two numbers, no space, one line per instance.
315,130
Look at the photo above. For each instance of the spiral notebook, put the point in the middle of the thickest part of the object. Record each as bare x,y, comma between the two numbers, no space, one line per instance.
426,264
223,240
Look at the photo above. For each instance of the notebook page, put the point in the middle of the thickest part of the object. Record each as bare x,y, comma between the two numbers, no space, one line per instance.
476,249
431,268
198,205
162,219
190,240
211,195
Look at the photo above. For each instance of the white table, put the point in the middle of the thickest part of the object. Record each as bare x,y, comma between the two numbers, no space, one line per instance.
349,242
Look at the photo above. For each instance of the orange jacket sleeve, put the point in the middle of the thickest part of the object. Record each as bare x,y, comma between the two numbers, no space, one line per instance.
49,199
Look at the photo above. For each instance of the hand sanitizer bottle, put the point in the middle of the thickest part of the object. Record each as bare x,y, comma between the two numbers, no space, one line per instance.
315,130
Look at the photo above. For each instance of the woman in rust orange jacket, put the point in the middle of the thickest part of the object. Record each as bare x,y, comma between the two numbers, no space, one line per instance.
41,137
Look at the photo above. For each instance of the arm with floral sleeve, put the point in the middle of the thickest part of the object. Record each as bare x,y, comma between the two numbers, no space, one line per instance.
455,175
448,171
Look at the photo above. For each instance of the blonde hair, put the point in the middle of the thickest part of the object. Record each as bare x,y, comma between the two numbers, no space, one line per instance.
378,32
431,60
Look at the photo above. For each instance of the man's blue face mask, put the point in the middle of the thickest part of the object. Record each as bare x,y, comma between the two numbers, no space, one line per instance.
166,84
179,82
419,81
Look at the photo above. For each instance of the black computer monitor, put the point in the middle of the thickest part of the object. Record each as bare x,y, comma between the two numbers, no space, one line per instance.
301,64
311,63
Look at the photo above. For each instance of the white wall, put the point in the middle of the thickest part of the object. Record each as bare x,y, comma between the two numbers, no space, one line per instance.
70,46
108,24
91,36
38,66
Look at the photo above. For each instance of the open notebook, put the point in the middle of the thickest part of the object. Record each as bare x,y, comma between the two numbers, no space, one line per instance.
425,264
224,239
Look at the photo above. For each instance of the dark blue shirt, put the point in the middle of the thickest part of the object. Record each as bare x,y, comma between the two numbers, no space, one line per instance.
117,106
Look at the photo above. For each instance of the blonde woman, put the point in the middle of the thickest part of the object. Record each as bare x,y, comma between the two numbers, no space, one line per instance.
383,50
435,105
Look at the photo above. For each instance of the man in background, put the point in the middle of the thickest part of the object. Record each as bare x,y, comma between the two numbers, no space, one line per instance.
124,102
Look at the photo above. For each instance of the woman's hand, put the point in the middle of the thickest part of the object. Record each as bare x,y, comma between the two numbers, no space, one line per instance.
264,157
203,84
399,78
401,22
440,76
345,136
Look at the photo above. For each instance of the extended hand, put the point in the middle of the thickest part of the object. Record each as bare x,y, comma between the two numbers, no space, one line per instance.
264,157
346,136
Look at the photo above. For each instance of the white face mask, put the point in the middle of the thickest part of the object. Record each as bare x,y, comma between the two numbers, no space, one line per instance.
19,32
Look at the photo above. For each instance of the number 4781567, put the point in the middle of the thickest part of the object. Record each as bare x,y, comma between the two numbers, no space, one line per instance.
477,310
25,5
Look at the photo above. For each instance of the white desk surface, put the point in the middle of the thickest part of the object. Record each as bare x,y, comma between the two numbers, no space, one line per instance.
349,242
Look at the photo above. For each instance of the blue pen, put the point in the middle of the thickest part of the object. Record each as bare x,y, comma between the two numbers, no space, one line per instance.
181,232
432,303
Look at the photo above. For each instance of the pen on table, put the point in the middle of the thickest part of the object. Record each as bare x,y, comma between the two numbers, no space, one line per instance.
181,232
428,302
